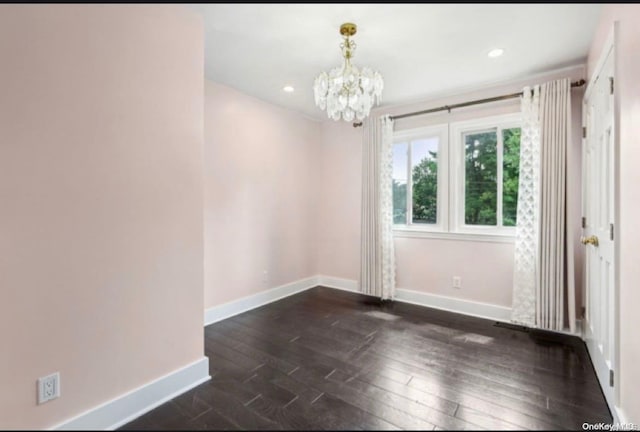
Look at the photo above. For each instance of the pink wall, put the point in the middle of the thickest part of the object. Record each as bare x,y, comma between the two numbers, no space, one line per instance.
340,168
101,189
425,265
261,180
428,265
628,237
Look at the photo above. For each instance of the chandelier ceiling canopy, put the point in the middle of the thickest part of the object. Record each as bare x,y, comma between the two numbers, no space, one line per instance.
348,92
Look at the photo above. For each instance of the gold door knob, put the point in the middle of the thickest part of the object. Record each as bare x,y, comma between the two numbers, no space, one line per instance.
592,240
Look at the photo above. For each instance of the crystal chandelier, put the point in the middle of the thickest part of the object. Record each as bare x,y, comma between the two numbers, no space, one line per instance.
347,91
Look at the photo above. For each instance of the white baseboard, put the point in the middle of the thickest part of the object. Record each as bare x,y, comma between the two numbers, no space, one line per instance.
123,409
244,304
338,283
451,304
579,330
619,416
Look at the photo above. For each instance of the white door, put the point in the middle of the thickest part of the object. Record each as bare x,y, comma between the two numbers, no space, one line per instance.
599,230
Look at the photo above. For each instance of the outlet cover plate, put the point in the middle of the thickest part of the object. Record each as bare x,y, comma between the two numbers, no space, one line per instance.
48,387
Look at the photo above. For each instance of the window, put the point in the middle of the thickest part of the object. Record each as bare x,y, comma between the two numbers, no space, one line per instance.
458,178
419,178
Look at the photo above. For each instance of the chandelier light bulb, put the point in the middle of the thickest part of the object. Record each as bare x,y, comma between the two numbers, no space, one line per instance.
346,91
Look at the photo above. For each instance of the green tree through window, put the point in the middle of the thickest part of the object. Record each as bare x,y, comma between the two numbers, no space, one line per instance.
481,175
510,175
480,190
425,189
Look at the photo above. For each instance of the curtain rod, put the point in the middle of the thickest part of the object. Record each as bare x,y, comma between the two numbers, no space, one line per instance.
579,83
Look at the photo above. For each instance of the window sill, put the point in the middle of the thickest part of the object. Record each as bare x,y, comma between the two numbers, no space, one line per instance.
441,235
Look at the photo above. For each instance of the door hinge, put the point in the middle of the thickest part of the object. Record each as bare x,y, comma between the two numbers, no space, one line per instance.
584,131
611,377
610,85
611,231
584,222
583,312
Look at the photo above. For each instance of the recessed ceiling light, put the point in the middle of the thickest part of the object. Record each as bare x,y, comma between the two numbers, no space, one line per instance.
288,89
496,52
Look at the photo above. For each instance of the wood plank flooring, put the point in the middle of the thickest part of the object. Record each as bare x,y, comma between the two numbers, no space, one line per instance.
327,359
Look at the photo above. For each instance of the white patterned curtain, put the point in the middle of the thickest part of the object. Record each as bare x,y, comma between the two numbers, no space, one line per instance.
542,287
377,258
523,310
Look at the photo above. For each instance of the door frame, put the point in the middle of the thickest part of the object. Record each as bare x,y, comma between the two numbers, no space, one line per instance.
610,46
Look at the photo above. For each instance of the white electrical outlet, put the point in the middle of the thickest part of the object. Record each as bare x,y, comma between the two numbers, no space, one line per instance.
457,282
48,387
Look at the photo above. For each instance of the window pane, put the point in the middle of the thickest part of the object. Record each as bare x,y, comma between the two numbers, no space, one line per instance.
424,172
511,168
400,183
480,178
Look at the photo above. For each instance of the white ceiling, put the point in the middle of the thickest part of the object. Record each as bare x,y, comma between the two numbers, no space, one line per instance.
421,50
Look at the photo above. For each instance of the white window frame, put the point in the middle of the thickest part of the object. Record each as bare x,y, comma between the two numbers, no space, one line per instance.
457,198
442,213
451,181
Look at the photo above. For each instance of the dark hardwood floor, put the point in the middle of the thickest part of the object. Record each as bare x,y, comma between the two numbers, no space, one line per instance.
329,359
